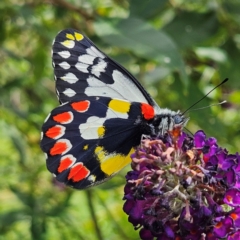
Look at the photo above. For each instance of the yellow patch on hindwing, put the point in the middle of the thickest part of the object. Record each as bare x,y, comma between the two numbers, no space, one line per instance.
85,147
119,105
112,163
101,131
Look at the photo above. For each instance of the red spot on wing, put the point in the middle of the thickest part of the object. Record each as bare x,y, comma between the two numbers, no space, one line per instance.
65,117
60,147
55,132
78,172
81,106
147,111
66,162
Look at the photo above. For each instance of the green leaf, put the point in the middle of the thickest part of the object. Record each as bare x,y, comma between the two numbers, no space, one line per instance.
24,197
190,28
232,8
216,54
9,218
235,97
230,69
156,74
147,8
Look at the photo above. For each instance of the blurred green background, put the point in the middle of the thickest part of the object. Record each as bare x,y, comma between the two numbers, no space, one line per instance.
178,49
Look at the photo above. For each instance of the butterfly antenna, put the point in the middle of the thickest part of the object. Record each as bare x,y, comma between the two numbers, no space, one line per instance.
211,105
225,80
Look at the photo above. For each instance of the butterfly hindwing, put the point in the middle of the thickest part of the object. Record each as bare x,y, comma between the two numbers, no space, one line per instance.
82,70
89,140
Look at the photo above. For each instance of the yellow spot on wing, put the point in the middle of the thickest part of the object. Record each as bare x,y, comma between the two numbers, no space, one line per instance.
85,147
119,105
70,36
99,151
112,163
78,36
101,131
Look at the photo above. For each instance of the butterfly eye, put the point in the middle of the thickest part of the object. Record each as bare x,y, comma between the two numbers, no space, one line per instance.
178,119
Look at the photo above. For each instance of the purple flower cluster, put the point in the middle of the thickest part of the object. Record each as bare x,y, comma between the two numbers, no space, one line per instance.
184,188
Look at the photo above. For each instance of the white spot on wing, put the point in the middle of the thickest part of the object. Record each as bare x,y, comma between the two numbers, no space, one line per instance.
99,88
94,52
86,59
122,88
102,92
64,54
89,130
69,92
64,65
82,67
91,178
113,114
127,88
68,43
95,82
99,67
70,78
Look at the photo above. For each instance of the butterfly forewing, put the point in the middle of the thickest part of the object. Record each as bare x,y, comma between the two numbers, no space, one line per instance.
82,70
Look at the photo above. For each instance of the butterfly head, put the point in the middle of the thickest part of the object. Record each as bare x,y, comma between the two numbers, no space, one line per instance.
168,121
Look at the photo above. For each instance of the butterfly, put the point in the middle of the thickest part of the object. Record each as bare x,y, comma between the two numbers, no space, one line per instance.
103,114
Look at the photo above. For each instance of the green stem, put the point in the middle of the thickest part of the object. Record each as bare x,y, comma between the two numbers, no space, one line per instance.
92,212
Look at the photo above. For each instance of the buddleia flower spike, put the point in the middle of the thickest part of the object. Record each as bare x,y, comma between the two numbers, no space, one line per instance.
183,187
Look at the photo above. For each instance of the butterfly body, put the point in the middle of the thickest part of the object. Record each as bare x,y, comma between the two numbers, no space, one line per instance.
103,114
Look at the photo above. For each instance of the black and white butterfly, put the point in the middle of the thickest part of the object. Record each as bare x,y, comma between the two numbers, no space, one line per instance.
103,114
